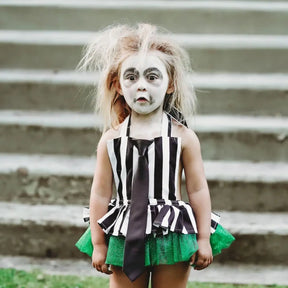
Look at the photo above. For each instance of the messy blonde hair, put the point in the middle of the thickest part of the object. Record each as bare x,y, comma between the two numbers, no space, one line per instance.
112,46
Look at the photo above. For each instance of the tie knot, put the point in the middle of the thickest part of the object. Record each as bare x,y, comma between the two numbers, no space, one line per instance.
142,146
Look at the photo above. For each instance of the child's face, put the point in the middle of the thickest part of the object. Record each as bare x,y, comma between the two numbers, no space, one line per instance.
144,82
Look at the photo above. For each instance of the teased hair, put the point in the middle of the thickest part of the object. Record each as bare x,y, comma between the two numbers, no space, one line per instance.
113,45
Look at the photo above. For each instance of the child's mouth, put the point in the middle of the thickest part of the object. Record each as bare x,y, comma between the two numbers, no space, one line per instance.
142,99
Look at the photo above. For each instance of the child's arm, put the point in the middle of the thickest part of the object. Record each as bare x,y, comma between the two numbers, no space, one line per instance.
101,193
199,197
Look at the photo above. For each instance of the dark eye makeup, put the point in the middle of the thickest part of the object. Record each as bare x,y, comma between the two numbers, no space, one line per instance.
153,73
131,74
150,73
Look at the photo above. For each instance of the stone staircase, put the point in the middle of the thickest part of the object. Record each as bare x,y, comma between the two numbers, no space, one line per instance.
48,134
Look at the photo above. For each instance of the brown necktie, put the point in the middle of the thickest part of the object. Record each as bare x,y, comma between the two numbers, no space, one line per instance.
134,252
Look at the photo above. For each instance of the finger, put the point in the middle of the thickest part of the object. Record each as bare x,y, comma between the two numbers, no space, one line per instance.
210,260
192,259
106,270
199,262
98,268
204,265
94,265
199,267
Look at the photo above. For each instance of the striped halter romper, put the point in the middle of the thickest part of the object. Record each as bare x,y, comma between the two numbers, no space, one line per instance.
165,213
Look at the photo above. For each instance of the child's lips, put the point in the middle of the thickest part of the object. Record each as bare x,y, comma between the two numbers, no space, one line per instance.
142,99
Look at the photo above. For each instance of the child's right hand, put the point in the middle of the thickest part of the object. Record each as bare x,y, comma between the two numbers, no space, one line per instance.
203,257
99,257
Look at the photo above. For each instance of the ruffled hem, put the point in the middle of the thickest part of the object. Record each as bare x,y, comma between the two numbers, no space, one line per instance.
84,244
221,239
169,249
163,216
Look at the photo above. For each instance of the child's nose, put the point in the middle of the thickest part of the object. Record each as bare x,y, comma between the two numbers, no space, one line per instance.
141,85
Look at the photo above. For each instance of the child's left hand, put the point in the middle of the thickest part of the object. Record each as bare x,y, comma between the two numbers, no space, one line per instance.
203,257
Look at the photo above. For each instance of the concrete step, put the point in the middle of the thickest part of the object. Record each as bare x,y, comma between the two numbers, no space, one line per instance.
43,231
46,90
216,273
179,16
222,137
58,179
245,94
209,53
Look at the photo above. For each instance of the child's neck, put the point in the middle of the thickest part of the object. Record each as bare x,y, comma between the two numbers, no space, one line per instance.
146,126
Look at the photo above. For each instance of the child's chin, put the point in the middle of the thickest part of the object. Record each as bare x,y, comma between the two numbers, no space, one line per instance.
143,109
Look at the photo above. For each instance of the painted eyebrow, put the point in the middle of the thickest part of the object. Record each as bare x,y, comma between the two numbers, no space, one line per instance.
130,70
153,69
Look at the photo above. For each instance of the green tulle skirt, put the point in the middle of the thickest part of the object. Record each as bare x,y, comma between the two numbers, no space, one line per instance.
168,249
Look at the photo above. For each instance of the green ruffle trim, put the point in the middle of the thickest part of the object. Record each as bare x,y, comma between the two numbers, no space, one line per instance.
168,249
84,244
220,239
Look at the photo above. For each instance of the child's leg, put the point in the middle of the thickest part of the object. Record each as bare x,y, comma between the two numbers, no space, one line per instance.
118,279
166,276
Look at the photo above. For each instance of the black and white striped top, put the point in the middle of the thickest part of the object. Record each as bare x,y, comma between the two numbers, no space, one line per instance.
165,213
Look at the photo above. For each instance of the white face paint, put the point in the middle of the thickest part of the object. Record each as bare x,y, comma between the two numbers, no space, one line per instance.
144,82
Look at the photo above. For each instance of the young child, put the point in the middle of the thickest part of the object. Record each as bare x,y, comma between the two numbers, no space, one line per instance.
145,98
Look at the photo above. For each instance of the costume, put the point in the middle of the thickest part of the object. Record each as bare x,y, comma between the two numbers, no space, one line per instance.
171,230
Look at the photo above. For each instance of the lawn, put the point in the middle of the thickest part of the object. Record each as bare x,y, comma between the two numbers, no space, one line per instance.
11,278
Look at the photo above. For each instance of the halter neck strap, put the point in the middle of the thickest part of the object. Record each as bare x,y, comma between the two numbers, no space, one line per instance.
165,126
125,129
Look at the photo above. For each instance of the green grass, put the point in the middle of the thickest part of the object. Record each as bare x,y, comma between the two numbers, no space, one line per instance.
11,278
